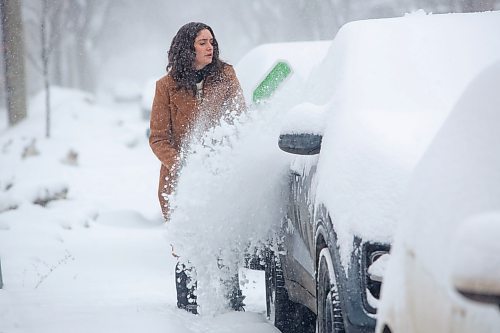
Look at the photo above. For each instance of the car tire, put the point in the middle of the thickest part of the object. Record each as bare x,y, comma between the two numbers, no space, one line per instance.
330,315
269,271
286,315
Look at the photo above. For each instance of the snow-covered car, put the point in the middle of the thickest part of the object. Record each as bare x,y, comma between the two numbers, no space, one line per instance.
367,116
443,273
287,64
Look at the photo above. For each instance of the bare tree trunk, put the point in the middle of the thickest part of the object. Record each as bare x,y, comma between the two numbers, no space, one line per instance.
84,68
91,15
57,75
72,65
57,51
1,279
15,80
45,65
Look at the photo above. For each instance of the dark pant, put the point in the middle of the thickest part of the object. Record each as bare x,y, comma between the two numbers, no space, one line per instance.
186,287
186,290
234,294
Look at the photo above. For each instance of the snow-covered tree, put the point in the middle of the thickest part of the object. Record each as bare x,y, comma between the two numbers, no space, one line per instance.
70,29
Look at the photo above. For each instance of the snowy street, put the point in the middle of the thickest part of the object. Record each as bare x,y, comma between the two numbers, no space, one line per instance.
109,279
94,259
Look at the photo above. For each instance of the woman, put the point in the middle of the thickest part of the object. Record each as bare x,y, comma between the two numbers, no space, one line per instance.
198,90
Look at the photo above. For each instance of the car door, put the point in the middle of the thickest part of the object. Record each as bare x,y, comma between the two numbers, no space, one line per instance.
300,262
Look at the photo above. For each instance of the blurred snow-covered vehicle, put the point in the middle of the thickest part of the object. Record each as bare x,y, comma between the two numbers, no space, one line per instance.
266,69
361,122
443,274
147,96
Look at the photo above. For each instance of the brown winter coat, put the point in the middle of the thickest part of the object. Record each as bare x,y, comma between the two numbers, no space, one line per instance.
174,114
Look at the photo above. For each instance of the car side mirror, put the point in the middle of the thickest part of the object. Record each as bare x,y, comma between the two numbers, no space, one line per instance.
475,249
300,144
302,130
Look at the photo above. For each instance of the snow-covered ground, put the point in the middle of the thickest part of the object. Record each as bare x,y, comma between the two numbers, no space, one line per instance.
82,244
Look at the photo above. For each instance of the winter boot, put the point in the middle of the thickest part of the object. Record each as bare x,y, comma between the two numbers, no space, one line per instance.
186,289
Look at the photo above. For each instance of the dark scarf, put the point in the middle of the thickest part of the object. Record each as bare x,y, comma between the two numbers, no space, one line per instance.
201,74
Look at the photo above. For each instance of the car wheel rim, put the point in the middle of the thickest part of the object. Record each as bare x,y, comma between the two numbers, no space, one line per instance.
272,314
330,319
328,324
327,319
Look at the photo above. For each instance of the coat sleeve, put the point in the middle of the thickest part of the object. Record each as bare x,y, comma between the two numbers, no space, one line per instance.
235,93
161,137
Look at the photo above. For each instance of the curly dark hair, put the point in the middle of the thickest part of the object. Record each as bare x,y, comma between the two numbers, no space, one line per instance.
181,56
